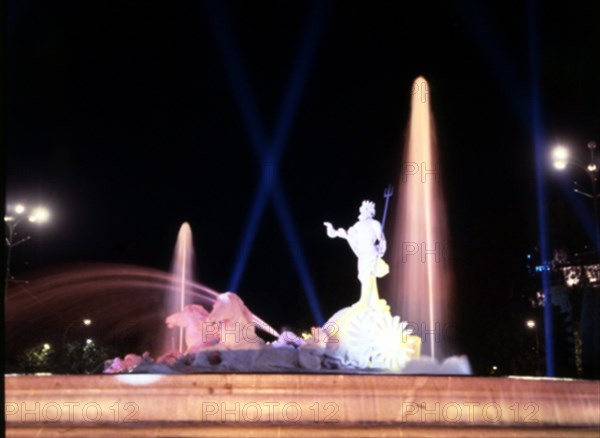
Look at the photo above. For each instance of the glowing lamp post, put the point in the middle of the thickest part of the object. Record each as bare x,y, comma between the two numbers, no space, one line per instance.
15,215
531,325
561,158
85,322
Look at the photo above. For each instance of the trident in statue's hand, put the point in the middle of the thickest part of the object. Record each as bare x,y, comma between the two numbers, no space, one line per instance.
387,194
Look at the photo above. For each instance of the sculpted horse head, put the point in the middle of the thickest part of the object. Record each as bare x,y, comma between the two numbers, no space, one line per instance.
191,314
228,308
237,324
199,333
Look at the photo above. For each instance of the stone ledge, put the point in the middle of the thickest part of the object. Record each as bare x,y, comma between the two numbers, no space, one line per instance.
266,405
278,431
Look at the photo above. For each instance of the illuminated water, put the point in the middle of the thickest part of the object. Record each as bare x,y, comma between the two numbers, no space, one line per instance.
126,304
182,270
140,298
420,279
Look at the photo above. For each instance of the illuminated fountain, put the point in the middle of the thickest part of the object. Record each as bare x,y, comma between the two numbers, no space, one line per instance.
366,334
420,287
360,403
182,271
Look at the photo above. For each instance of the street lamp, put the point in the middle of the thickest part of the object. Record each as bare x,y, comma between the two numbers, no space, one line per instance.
561,158
15,215
530,323
86,322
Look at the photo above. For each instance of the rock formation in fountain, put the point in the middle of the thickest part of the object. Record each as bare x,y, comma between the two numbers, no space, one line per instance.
366,335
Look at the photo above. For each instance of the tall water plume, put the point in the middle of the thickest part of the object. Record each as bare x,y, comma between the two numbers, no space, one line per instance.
182,276
420,279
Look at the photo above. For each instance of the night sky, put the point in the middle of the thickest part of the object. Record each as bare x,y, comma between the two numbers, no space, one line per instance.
122,118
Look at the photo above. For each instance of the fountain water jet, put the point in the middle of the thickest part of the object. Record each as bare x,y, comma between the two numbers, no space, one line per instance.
126,304
420,279
182,272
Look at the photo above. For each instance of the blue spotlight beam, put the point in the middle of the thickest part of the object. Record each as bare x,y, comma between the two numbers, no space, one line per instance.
269,160
242,92
269,154
495,52
299,75
234,68
536,126
269,157
256,211
496,56
286,221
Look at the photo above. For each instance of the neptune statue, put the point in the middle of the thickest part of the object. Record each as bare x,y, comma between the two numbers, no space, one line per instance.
366,335
367,241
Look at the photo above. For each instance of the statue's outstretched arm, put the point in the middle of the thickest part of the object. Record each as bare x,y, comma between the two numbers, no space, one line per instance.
332,232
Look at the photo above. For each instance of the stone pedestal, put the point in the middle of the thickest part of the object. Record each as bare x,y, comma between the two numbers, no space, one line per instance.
294,405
